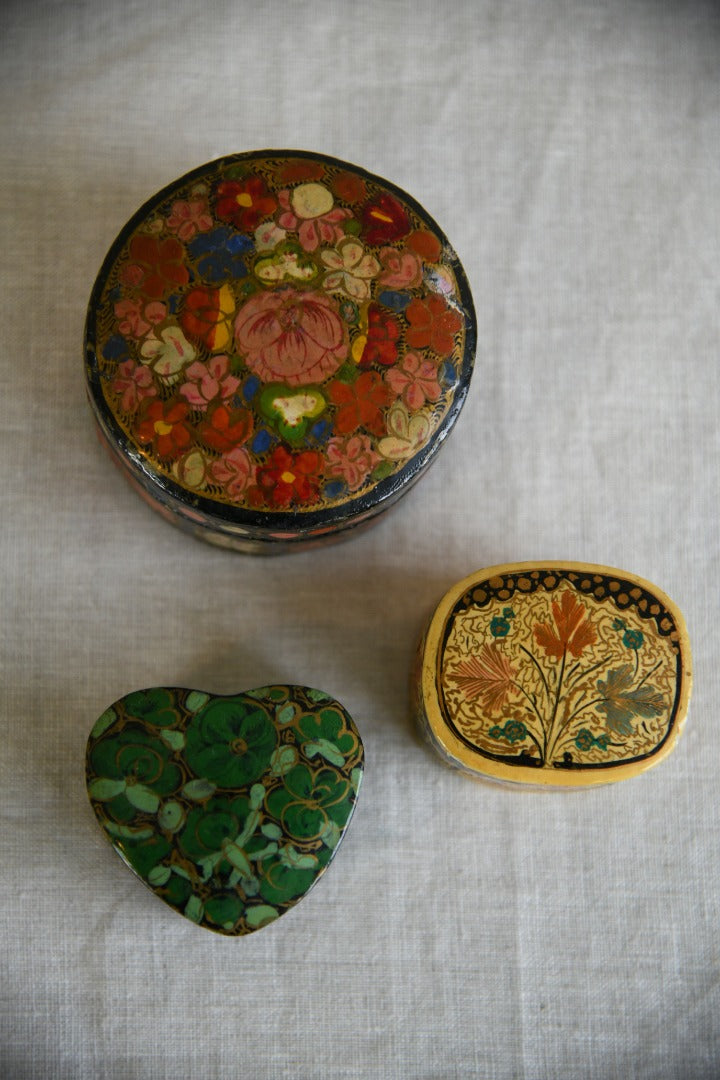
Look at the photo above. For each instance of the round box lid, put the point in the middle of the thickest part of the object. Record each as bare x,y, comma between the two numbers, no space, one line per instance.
276,346
547,674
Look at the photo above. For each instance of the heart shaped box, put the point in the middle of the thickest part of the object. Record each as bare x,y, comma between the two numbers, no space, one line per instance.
277,345
229,808
549,674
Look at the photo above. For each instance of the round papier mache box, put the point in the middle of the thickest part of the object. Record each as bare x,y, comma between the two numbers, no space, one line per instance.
276,347
547,674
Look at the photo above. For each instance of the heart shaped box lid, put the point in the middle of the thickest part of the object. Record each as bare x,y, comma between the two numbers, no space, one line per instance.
229,808
276,346
554,674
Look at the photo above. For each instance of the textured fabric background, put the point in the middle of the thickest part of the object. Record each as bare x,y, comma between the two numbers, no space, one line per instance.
571,152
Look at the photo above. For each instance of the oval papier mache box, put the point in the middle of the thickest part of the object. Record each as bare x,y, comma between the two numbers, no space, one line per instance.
551,674
277,345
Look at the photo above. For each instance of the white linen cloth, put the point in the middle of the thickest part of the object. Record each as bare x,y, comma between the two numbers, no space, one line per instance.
570,151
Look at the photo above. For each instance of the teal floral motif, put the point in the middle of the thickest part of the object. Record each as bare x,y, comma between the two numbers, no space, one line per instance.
500,626
585,740
232,818
230,741
633,639
514,731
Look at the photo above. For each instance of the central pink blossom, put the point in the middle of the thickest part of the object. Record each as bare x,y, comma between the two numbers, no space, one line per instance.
291,337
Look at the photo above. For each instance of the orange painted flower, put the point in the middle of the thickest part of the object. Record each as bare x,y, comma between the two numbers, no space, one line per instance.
223,430
488,676
163,427
432,324
573,630
360,403
207,315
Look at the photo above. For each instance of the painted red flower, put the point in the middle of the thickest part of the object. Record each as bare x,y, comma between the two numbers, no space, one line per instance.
573,629
244,203
207,314
291,337
360,403
384,220
224,429
156,266
163,427
382,338
289,479
432,324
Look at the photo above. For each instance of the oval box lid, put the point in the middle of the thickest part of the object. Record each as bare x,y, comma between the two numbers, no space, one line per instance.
276,346
552,674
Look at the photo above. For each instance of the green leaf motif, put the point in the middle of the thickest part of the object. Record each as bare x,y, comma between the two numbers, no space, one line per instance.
283,760
324,749
195,701
621,704
172,738
194,909
103,789
171,816
103,723
159,875
142,798
285,715
199,789
260,915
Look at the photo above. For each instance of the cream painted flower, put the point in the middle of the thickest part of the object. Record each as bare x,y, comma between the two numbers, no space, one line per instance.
350,268
268,236
406,434
168,354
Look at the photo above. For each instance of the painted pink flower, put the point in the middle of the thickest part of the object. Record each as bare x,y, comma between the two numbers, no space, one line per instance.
401,268
235,471
415,380
188,217
291,337
209,382
351,458
136,317
133,383
310,209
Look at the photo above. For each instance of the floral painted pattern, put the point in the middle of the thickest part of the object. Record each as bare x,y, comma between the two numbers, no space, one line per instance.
559,670
284,331
228,808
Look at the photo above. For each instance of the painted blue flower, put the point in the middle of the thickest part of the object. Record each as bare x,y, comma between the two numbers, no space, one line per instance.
219,253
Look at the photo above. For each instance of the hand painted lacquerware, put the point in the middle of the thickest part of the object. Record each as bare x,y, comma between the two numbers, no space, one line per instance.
554,675
276,346
228,808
